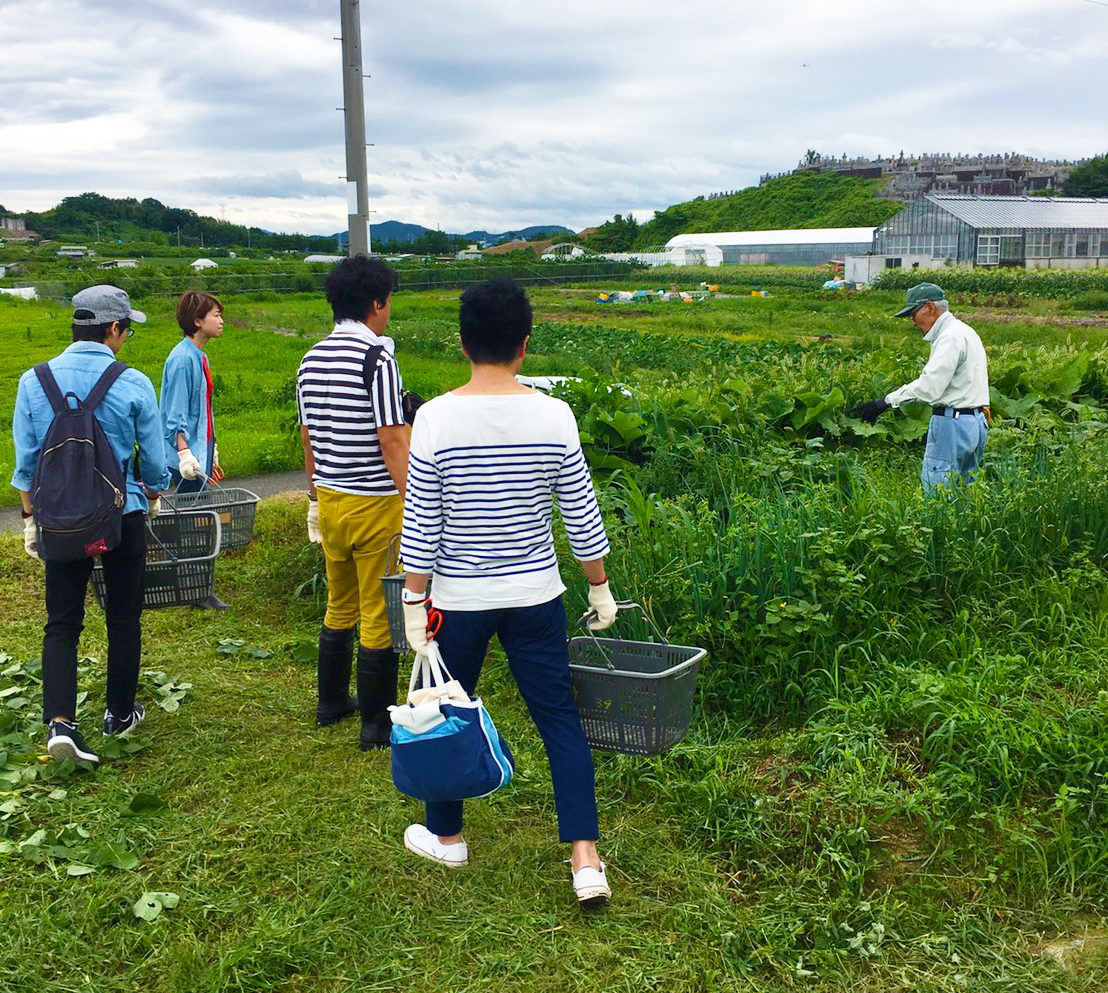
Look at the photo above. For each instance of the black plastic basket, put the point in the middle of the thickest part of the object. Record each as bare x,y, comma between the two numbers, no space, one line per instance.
237,509
634,697
393,584
181,550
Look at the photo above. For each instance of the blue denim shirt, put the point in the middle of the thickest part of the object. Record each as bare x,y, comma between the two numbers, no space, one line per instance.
128,413
185,403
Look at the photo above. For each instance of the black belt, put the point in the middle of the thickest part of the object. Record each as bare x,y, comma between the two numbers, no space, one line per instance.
941,411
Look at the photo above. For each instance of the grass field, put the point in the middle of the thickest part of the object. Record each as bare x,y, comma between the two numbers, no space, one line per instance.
897,773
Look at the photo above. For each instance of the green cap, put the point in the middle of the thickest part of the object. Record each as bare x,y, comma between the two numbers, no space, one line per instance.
918,295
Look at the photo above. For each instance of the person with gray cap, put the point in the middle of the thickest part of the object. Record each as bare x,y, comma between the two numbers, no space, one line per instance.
128,415
955,382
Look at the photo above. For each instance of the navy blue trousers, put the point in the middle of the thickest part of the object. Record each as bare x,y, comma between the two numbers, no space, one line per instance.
534,639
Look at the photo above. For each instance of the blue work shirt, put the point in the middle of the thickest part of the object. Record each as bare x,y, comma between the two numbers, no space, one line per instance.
185,403
128,413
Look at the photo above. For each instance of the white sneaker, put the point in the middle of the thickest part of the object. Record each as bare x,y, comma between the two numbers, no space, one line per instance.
421,841
591,886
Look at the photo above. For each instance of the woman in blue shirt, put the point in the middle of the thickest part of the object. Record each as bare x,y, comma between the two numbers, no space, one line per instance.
187,394
187,402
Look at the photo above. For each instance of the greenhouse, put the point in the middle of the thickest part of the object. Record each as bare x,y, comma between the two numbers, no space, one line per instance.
810,246
1035,232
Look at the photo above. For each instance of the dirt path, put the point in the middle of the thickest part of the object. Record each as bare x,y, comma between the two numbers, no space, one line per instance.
265,485
1061,320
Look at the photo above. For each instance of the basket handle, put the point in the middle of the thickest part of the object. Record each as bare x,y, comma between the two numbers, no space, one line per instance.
392,556
165,498
626,605
620,605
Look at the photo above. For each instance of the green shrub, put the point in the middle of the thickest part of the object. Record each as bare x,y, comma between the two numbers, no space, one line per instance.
1090,300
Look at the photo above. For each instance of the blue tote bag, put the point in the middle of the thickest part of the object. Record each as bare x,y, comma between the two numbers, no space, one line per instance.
444,744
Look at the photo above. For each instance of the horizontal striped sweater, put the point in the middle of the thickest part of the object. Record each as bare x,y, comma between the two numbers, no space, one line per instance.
342,417
483,474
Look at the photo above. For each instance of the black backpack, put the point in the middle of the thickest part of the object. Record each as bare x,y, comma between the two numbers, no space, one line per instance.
78,490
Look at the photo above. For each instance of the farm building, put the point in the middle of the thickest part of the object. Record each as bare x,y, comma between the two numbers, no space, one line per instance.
1031,232
811,246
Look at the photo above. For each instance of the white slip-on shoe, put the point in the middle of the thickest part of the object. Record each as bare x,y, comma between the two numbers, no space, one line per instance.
421,841
591,886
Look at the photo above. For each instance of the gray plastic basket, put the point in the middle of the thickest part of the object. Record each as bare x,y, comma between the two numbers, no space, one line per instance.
237,509
634,697
181,550
393,584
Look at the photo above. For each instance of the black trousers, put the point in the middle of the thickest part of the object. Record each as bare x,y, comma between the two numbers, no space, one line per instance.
66,585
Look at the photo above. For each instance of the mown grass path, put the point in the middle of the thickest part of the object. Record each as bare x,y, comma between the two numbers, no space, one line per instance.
729,856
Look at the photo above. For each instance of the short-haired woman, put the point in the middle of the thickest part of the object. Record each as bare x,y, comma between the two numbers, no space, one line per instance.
187,393
186,401
487,461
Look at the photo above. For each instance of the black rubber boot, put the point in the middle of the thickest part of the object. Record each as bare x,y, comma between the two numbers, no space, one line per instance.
336,651
376,693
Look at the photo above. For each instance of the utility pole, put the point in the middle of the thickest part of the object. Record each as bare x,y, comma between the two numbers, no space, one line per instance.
357,192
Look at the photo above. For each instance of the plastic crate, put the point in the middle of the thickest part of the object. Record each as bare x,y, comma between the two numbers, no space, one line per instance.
181,550
237,509
634,697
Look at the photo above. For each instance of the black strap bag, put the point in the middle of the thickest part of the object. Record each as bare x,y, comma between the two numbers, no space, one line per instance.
79,488
409,402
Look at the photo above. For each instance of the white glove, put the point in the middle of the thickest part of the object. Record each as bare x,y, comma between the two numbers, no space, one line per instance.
603,607
415,626
155,507
215,454
30,538
315,535
188,464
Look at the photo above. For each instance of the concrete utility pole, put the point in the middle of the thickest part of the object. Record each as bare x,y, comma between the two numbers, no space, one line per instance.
357,186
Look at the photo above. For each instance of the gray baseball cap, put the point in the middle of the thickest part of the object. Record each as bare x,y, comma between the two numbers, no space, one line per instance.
918,295
107,303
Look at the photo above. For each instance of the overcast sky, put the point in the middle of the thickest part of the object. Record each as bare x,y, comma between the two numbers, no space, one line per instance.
498,114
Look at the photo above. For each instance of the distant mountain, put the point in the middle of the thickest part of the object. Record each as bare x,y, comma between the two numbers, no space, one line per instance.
407,234
397,231
523,234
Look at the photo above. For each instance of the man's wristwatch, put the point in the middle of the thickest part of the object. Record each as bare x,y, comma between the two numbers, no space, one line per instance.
411,597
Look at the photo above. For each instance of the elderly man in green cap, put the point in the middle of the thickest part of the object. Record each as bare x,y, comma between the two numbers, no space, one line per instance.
955,382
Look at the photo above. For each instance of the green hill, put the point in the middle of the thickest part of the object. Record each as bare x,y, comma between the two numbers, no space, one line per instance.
799,200
92,216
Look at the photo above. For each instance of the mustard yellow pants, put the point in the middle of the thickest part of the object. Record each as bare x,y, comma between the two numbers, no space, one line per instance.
356,532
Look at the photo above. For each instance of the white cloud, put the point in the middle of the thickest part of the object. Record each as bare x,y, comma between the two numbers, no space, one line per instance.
497,114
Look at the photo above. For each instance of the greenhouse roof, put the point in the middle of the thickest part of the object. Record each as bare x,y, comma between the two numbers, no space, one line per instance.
794,236
1026,212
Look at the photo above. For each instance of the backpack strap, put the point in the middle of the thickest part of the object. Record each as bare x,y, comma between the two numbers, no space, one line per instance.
50,387
103,384
369,367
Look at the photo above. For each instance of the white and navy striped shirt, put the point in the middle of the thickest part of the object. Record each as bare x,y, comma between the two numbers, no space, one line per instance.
342,417
478,513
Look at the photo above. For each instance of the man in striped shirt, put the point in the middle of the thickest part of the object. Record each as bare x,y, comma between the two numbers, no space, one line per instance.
487,461
348,390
